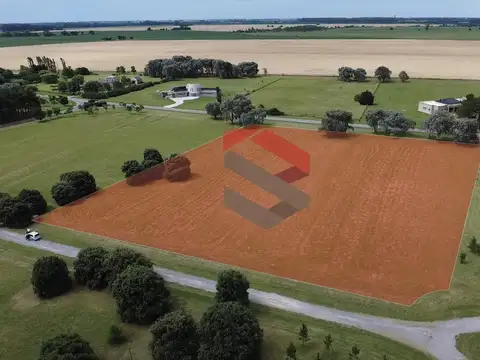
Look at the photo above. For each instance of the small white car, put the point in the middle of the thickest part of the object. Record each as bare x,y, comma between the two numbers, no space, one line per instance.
32,235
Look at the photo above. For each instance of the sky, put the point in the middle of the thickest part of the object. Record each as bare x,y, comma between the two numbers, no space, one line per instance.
20,11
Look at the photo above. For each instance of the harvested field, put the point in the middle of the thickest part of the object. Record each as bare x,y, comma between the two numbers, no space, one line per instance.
385,218
420,58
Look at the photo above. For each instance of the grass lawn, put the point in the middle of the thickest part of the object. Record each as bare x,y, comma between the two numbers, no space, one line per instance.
305,96
98,143
405,97
101,143
25,321
469,345
229,88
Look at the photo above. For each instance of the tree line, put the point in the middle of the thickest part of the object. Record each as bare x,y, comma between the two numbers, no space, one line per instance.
180,66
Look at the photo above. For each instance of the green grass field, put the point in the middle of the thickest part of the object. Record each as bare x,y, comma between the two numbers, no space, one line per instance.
25,321
435,33
469,345
101,143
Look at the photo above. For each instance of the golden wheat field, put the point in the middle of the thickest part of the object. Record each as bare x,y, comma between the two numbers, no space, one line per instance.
420,58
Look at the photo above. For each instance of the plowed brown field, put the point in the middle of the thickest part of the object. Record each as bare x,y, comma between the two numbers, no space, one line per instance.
385,218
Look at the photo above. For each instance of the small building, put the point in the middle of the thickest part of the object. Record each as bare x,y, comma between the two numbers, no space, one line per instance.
110,79
193,90
432,106
136,80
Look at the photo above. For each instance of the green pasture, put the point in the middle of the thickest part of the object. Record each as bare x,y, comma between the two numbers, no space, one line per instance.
469,345
26,321
434,33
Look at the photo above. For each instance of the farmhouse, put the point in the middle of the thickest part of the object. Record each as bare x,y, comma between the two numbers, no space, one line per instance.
194,90
431,107
136,80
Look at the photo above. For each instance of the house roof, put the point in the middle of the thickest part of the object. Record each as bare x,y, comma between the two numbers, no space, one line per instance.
450,101
179,88
434,103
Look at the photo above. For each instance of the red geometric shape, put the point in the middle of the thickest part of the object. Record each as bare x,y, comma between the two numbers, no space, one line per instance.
291,175
234,137
284,149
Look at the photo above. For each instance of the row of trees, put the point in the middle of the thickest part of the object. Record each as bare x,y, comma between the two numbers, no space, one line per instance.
227,330
187,67
95,89
382,73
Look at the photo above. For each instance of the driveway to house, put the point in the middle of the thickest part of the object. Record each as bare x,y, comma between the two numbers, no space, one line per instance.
435,338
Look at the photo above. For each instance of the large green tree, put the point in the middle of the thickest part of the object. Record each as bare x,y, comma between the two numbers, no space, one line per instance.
67,347
440,123
119,259
89,268
50,277
14,213
232,285
229,331
174,337
141,295
34,200
72,186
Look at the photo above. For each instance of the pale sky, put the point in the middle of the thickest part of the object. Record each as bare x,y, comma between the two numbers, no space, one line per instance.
17,11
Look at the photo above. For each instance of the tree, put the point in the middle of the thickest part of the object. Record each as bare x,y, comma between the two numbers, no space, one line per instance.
328,342
175,337
49,112
141,295
115,336
365,98
359,75
227,109
383,74
50,277
232,285
265,71
470,107
303,334
89,268
463,258
34,200
236,326
255,116
152,155
376,118
354,353
346,74
397,123
133,70
49,78
465,131
213,109
403,76
14,213
120,69
62,87
439,123
92,86
68,72
72,186
337,120
119,259
234,108
67,347
63,100
473,246
131,167
291,352
56,111
318,357
82,71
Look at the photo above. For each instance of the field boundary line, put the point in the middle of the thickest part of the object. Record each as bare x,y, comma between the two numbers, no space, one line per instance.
266,85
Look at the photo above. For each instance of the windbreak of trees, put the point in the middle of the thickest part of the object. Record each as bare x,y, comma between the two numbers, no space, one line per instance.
17,103
180,66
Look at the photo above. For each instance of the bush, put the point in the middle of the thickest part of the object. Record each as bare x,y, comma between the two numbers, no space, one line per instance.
49,78
232,285
275,112
34,200
50,277
236,326
141,295
213,109
131,167
174,337
82,71
153,155
72,186
115,336
14,213
63,100
89,268
403,76
67,347
365,98
119,259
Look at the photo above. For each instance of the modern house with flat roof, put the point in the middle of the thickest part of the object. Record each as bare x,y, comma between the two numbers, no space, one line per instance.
190,90
449,104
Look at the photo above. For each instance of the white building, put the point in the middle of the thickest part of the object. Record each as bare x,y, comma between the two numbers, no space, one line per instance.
431,107
110,79
193,90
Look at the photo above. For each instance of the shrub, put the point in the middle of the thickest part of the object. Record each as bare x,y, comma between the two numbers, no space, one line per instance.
89,268
63,100
232,285
34,200
50,277
67,347
238,328
141,295
119,259
174,337
82,71
213,109
49,78
131,167
403,76
115,336
365,98
153,155
275,112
